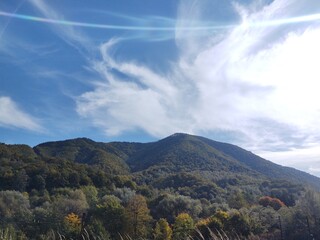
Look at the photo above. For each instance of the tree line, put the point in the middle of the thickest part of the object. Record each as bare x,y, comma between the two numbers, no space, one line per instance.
124,212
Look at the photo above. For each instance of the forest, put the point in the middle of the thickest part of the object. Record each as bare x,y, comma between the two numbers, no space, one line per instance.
181,187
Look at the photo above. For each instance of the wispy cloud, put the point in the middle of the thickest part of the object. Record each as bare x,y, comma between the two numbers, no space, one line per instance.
12,116
245,72
255,81
141,100
68,33
259,80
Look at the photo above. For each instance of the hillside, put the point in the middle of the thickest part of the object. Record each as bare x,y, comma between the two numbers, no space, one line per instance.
263,166
85,151
151,162
183,152
189,165
175,175
178,152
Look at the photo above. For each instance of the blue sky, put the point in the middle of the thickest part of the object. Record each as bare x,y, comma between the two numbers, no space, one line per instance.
244,72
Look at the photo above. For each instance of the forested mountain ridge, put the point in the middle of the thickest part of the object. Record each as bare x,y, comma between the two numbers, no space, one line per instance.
176,151
85,151
212,182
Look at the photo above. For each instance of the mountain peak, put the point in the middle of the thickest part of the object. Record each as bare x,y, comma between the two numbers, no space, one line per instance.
179,135
173,153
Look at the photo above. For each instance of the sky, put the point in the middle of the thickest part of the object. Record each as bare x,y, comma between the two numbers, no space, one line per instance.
244,72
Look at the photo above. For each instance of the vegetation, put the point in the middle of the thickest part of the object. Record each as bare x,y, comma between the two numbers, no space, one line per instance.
182,187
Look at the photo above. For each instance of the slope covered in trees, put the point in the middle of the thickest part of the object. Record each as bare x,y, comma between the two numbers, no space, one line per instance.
164,188
179,152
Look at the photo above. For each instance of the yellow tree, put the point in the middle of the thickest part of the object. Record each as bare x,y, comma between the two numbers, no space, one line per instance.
137,217
72,224
162,230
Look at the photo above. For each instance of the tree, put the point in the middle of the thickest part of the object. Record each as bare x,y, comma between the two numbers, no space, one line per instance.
237,200
203,228
72,224
310,203
13,204
96,229
15,208
21,181
275,203
170,206
38,183
218,221
162,230
137,217
68,201
183,226
91,193
239,224
111,213
124,194
265,201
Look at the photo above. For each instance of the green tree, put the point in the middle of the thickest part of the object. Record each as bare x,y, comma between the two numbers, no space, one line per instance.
15,208
96,228
162,230
91,193
111,213
218,220
237,200
183,226
70,201
21,181
170,206
239,224
310,203
38,183
13,203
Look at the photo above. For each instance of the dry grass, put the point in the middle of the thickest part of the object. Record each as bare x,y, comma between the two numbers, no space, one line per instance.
10,234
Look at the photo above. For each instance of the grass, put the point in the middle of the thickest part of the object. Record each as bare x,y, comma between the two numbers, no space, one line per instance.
10,234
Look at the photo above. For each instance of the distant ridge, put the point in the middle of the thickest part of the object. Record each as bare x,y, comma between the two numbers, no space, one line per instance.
175,152
173,161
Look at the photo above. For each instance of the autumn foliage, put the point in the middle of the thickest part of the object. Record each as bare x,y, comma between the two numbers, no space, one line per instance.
275,203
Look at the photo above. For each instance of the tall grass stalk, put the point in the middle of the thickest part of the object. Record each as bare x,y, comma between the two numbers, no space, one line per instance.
5,234
11,234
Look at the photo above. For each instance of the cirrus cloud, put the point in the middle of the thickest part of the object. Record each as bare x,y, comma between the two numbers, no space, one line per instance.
12,116
256,79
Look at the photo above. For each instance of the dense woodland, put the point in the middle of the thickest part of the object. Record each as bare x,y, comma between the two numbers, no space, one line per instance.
181,187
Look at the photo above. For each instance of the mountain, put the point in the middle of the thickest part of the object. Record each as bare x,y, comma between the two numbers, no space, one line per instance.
178,152
181,164
85,151
263,166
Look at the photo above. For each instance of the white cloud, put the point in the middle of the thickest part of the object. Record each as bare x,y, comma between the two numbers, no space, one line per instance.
231,83
307,159
257,80
146,101
12,116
